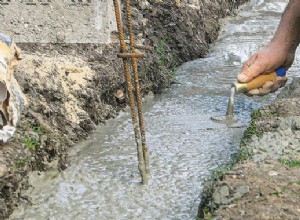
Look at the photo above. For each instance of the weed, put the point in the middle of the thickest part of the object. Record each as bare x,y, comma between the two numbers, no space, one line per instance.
171,74
37,129
206,214
251,130
21,163
286,189
162,53
255,114
290,163
30,143
296,191
268,114
277,193
237,200
218,173
243,154
166,60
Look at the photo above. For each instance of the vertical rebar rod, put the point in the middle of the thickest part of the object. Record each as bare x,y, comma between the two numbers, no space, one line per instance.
141,161
137,88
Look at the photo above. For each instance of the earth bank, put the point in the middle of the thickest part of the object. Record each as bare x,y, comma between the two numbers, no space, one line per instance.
72,88
265,182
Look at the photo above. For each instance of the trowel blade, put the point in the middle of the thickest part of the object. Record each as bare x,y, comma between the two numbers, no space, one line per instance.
225,119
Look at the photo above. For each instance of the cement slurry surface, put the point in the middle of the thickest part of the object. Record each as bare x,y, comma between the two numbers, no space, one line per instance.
102,181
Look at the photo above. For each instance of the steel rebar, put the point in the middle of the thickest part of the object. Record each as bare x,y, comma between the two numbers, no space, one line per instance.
137,88
140,149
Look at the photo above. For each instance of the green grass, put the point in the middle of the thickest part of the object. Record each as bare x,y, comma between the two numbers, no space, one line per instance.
30,143
286,189
216,174
290,163
255,114
162,53
251,130
268,114
21,163
243,154
166,60
206,213
37,129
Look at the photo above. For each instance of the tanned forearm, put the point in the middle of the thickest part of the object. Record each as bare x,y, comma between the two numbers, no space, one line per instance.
288,31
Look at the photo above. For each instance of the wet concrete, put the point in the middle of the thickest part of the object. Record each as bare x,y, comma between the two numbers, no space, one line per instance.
102,181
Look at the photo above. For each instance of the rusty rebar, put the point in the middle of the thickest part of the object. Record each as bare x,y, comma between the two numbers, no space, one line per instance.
137,88
131,55
140,150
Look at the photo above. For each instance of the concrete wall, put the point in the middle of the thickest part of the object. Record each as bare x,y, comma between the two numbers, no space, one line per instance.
69,21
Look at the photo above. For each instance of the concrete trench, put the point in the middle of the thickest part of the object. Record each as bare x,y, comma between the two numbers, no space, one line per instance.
102,180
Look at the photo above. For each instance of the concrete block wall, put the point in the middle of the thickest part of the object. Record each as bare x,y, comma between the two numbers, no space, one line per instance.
57,21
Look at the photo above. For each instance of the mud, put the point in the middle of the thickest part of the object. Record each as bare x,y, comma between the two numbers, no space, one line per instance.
51,125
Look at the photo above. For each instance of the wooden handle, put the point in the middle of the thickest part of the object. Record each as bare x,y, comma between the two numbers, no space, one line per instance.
260,80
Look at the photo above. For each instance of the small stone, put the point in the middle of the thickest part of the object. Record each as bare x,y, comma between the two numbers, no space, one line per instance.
276,156
285,143
297,123
241,190
273,173
232,206
219,196
242,212
293,146
3,170
145,5
119,94
69,129
259,157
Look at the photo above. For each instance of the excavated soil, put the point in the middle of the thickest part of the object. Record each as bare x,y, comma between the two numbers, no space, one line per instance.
261,191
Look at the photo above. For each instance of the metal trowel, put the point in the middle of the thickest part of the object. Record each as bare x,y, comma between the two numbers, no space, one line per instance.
256,83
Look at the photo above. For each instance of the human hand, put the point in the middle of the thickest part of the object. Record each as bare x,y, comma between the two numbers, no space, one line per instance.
269,86
263,62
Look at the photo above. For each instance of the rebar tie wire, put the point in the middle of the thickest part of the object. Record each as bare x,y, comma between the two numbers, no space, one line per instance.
129,54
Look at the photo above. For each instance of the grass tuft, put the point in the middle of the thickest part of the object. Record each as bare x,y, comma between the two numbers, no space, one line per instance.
290,163
30,143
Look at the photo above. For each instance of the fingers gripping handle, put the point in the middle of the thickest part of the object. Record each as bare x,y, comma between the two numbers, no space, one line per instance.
259,81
